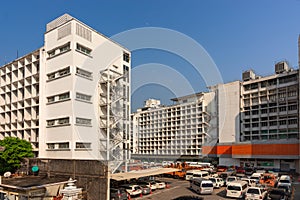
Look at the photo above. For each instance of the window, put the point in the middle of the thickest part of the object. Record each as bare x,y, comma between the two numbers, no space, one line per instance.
64,96
63,121
83,73
58,98
83,121
51,76
59,73
293,121
59,50
292,107
50,122
63,145
51,99
283,122
51,53
64,48
83,145
83,97
292,93
64,71
83,49
126,57
51,146
58,122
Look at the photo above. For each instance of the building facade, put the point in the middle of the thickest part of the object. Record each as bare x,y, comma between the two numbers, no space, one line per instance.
266,130
70,98
175,131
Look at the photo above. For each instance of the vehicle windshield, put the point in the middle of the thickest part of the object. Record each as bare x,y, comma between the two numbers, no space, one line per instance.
280,192
189,173
284,181
232,187
207,185
230,179
253,191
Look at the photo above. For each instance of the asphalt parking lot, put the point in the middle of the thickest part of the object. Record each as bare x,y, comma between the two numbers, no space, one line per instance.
180,188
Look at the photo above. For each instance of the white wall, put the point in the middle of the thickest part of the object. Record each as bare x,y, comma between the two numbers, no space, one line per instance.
229,109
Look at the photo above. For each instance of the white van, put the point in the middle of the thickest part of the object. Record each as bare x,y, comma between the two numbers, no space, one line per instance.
189,175
200,174
236,189
202,186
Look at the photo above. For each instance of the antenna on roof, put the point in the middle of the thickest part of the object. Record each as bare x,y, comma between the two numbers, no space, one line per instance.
17,54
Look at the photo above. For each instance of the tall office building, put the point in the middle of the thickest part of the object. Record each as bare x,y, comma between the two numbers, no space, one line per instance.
175,131
267,125
69,98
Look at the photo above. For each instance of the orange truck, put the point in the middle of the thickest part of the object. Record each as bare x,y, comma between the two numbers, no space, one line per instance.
268,179
183,167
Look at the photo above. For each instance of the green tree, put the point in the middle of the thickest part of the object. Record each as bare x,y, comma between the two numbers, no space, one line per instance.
14,151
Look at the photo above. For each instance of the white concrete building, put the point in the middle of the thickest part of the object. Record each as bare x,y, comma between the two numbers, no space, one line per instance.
261,116
70,98
171,132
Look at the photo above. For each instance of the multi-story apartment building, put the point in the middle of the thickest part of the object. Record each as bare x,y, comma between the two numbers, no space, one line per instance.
175,131
267,121
69,98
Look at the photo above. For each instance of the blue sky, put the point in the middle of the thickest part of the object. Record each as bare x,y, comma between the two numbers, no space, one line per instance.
238,35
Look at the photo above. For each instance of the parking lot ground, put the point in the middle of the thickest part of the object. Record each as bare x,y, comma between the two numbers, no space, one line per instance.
180,188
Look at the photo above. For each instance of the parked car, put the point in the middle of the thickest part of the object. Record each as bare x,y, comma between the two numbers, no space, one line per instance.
132,190
249,171
285,180
159,184
149,184
255,193
217,182
145,189
230,179
236,189
277,194
286,188
118,194
251,182
202,186
240,170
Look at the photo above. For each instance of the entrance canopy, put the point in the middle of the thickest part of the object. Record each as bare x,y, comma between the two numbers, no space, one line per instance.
141,173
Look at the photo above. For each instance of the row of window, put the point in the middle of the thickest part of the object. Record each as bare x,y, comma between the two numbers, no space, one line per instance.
65,121
59,73
272,110
66,96
273,123
66,145
59,50
67,47
271,82
67,71
59,97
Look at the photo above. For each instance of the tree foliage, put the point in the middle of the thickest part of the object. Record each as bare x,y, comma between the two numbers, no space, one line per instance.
15,150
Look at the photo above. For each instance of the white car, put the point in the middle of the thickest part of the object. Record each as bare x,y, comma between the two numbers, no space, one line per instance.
159,184
217,182
230,179
254,193
285,180
132,190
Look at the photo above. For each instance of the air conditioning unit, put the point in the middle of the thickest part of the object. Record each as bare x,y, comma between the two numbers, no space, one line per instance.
248,75
281,67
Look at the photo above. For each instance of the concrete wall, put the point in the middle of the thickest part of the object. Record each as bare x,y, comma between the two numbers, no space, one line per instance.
91,175
229,109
